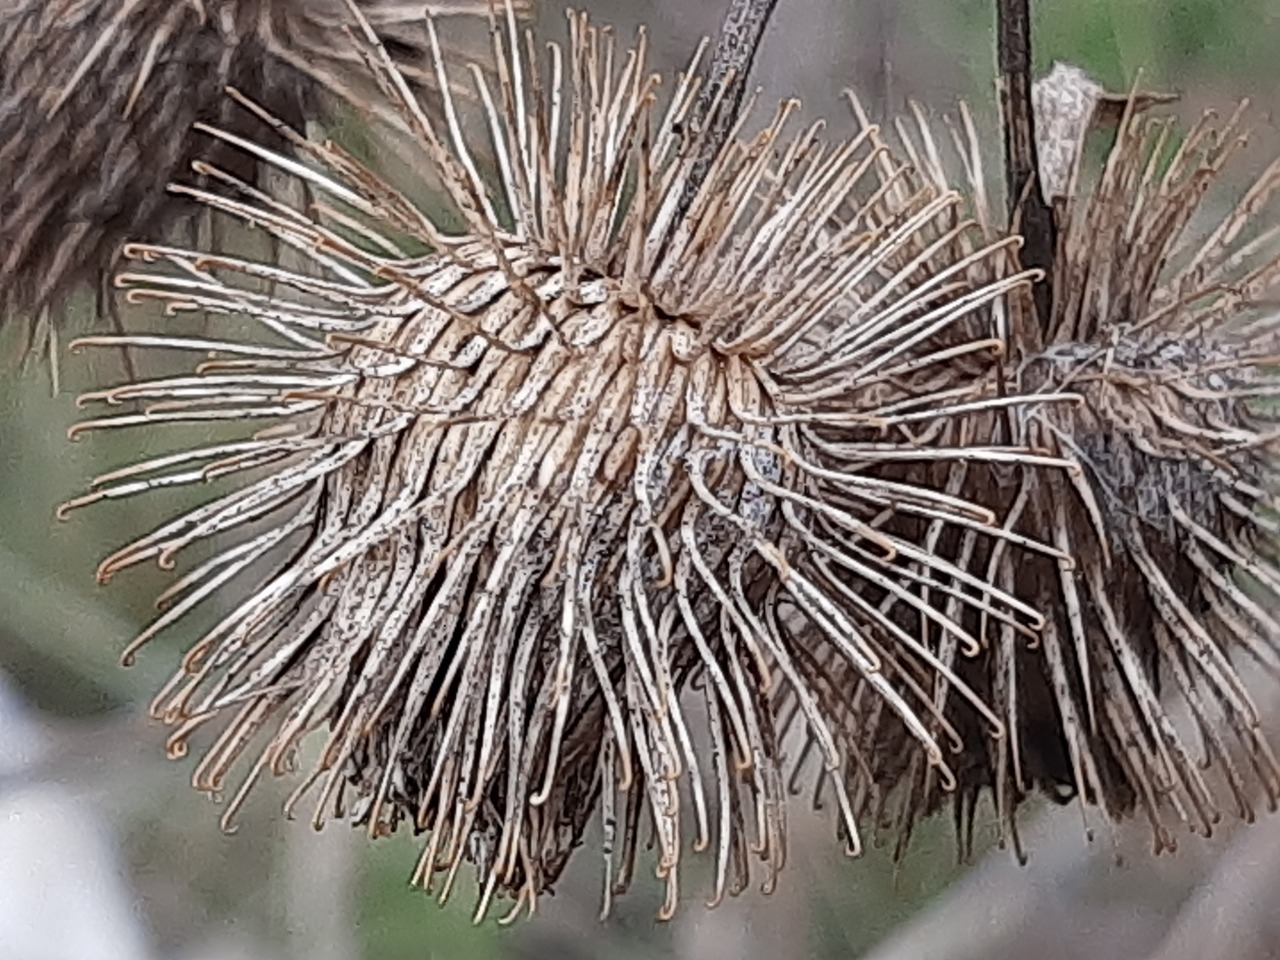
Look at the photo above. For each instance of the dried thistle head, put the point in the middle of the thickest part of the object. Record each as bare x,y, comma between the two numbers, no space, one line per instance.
1169,340
97,98
542,519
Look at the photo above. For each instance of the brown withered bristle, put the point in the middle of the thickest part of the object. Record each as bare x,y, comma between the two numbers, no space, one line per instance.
541,509
97,99
1166,522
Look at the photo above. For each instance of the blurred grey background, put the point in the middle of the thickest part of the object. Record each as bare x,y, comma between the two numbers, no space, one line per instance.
106,853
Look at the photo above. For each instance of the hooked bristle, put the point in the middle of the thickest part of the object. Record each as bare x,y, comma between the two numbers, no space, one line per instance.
97,98
1171,343
538,494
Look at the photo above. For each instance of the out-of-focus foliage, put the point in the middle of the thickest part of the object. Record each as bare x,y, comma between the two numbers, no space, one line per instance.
1188,45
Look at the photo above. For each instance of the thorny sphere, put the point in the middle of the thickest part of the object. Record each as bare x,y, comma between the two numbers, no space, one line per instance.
1165,329
556,507
97,98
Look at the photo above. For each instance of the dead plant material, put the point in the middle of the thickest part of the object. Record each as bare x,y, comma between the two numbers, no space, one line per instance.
1164,324
98,97
520,508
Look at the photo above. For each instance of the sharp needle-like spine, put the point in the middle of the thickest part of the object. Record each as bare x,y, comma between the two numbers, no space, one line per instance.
526,491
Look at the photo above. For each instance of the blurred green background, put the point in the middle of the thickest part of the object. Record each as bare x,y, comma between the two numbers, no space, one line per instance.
274,889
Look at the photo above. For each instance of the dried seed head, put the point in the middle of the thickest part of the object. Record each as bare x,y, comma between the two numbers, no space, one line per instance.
1170,341
97,97
534,498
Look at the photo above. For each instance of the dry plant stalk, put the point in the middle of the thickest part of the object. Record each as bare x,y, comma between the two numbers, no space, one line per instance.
97,98
514,506
1171,340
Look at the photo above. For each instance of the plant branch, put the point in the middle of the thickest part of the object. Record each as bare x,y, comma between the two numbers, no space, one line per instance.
1028,210
731,62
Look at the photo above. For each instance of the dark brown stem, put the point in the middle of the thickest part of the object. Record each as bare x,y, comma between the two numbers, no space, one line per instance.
874,72
1027,207
735,51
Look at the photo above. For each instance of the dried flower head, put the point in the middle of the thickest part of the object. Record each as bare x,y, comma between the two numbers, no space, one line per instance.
520,502
1170,339
97,96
